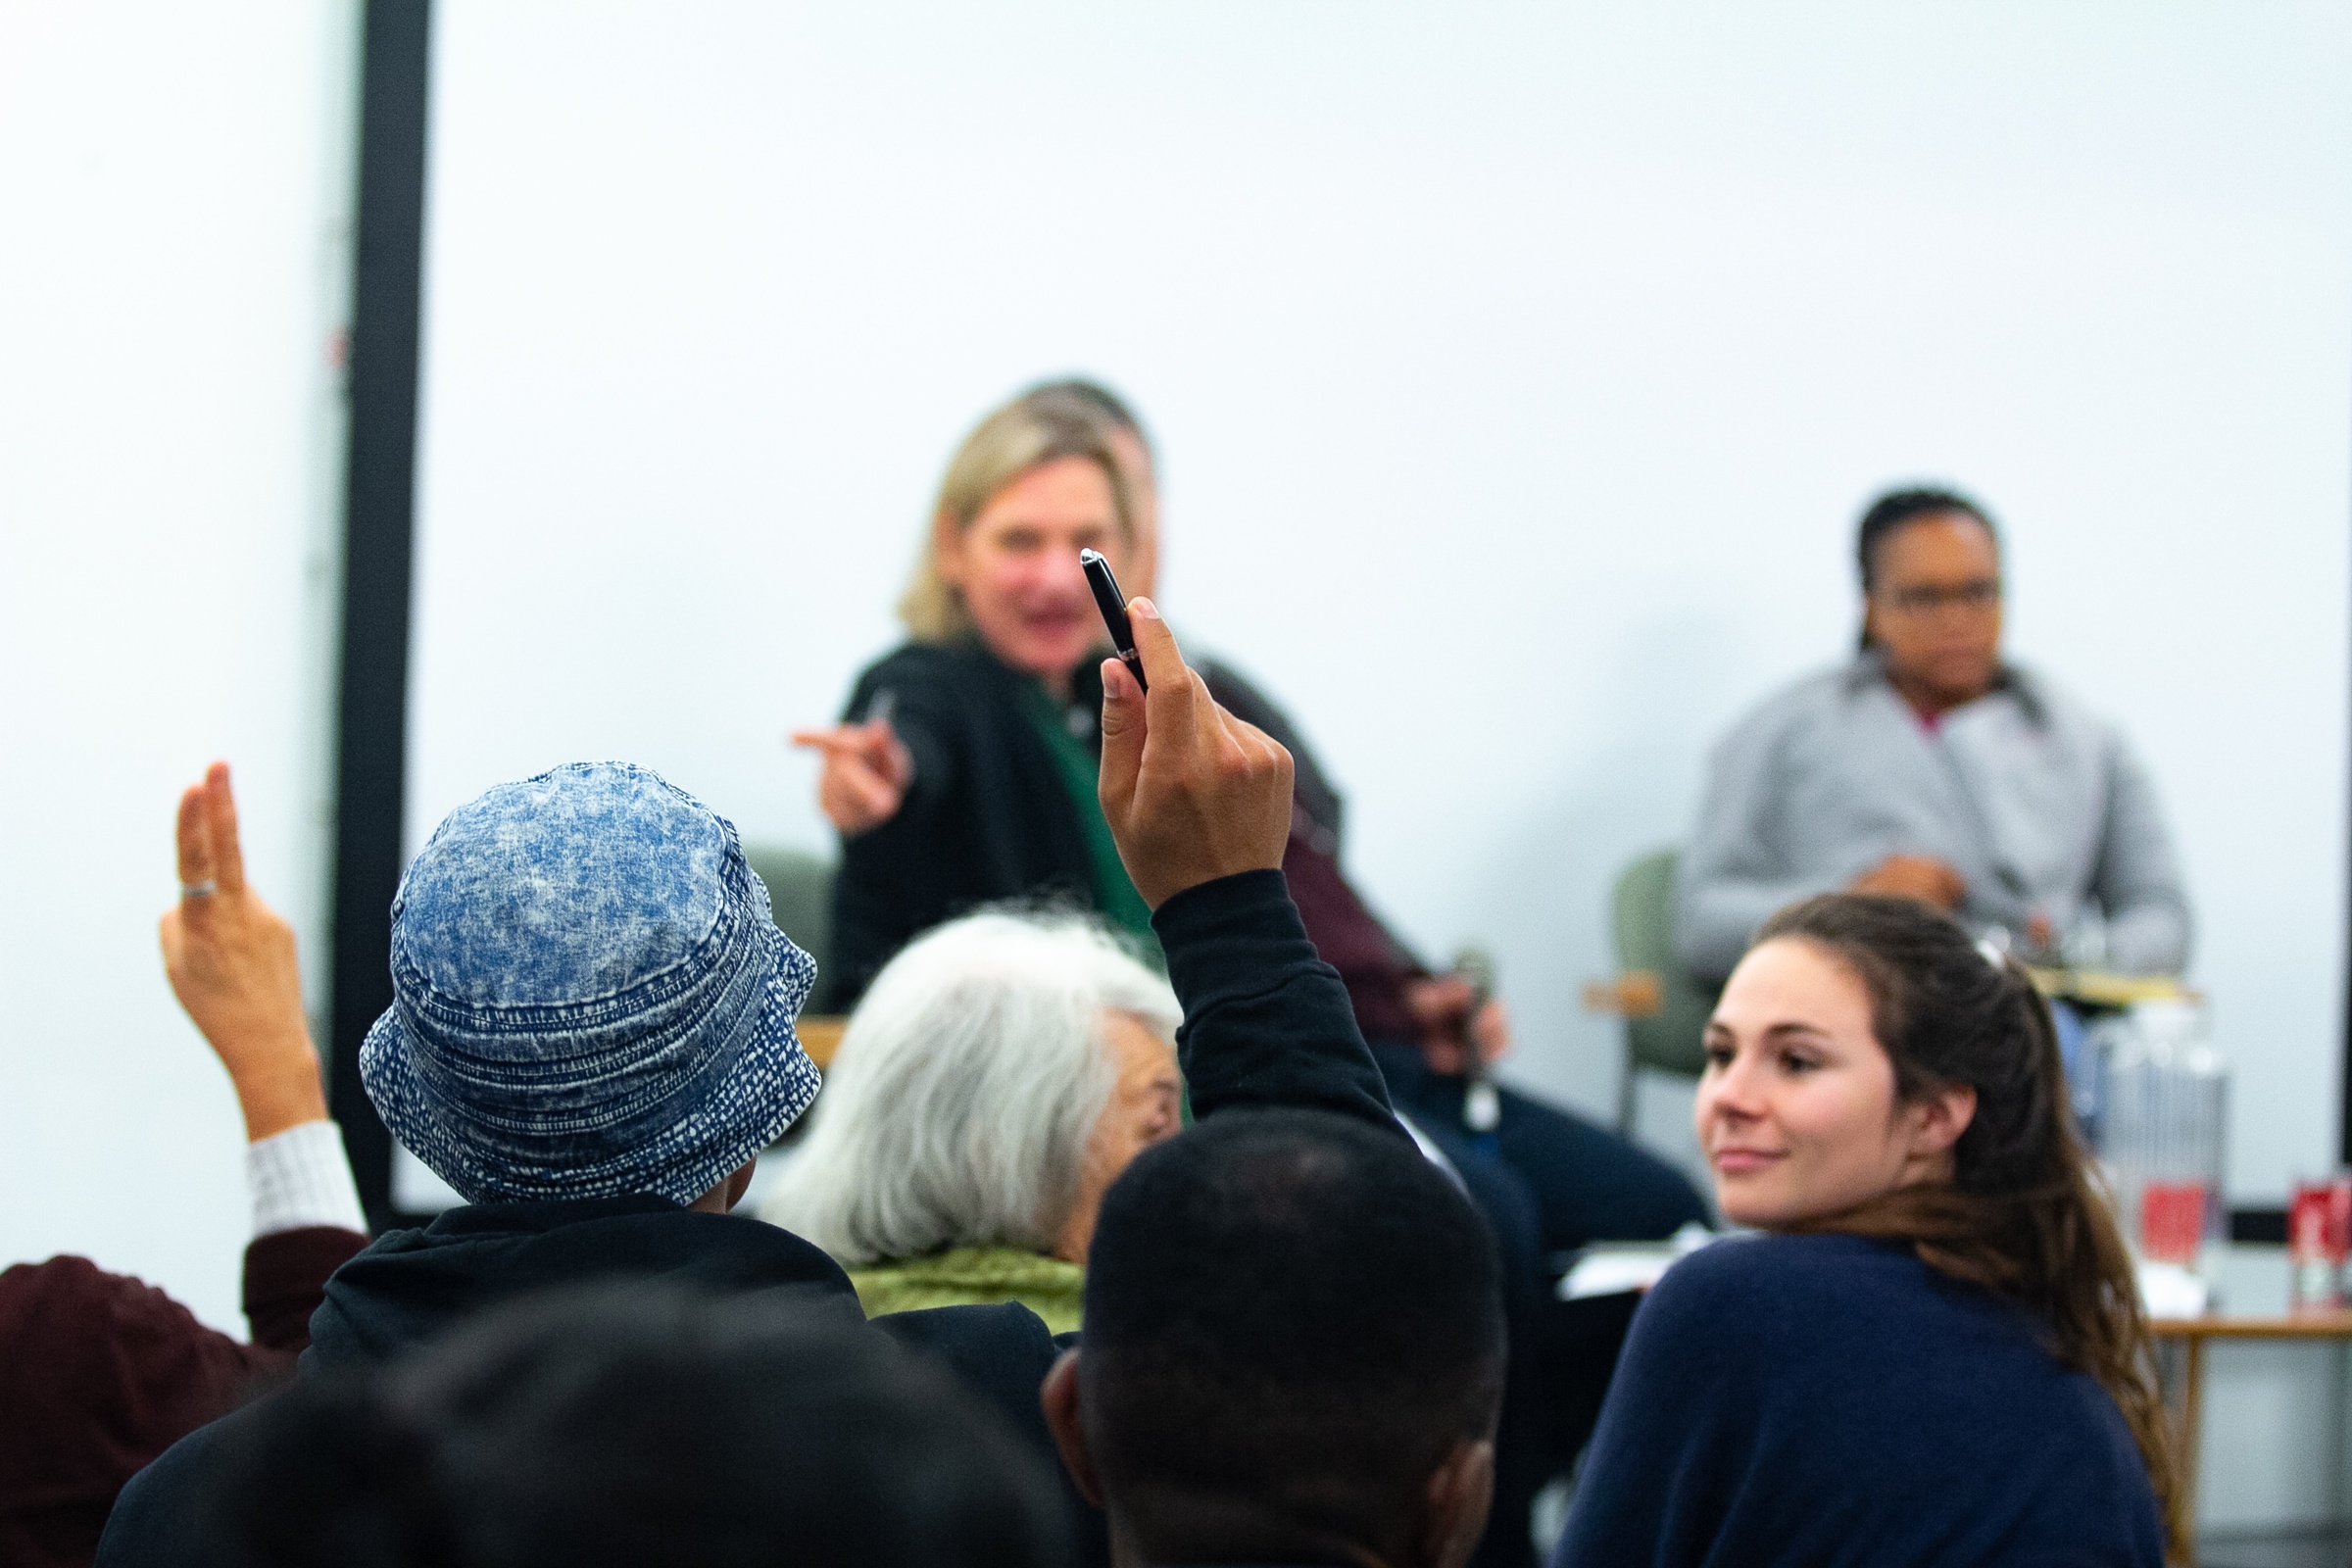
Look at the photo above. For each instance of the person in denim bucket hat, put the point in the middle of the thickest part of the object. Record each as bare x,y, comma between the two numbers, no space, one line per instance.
543,916
589,997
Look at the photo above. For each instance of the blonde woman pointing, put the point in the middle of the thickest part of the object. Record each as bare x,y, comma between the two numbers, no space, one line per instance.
963,770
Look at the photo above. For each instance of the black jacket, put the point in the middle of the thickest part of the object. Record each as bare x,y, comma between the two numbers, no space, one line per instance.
1266,1024
988,817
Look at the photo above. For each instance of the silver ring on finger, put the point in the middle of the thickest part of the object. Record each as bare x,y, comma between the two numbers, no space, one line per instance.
199,890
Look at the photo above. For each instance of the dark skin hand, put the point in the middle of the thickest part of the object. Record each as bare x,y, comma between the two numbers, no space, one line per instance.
1191,793
1913,876
1450,1030
1933,882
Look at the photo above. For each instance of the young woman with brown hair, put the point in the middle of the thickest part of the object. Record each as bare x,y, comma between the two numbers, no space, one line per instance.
1935,1354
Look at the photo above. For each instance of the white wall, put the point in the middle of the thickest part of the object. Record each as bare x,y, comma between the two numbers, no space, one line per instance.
175,182
1520,372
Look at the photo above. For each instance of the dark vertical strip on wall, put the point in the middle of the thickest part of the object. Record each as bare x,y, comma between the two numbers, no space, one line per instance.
379,495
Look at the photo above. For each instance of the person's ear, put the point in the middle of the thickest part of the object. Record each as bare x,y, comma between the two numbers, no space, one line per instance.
947,551
1058,1397
1454,1504
729,1192
1938,1120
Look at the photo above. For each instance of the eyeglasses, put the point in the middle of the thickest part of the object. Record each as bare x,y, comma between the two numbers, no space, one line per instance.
1925,598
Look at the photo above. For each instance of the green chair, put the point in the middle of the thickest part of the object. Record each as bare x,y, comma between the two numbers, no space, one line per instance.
1664,1007
799,895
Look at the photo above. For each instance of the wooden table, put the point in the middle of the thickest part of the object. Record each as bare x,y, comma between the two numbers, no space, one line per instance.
820,1037
2193,1334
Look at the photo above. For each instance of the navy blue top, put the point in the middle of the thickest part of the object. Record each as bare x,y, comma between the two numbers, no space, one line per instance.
1824,1399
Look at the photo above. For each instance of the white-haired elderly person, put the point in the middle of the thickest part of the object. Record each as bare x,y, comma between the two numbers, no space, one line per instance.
997,1077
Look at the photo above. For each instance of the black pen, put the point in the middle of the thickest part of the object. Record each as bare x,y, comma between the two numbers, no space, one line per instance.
1113,605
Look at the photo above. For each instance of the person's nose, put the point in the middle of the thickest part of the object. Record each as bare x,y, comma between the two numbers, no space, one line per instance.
1062,576
1737,1091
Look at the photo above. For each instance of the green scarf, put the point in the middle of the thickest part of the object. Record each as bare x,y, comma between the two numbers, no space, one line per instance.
976,1276
1114,896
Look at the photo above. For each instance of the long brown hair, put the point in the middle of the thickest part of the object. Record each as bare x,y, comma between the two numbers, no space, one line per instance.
2024,1213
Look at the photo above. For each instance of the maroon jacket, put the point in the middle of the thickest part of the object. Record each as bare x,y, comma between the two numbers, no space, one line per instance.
1373,965
99,1373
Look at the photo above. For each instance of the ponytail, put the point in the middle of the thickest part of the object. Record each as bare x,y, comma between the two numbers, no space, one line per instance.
2024,1214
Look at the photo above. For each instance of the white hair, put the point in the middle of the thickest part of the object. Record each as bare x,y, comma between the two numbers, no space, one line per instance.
958,1106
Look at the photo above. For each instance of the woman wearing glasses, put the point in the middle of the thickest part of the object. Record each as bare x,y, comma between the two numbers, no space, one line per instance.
1930,769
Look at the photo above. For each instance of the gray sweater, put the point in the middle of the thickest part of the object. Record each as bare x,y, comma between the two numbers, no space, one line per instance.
2038,803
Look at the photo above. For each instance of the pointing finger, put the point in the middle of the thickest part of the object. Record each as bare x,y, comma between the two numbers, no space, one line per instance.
871,798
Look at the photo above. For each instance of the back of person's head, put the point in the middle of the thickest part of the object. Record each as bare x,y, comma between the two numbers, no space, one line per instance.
2024,1213
1102,400
960,1105
1294,1324
640,1426
589,999
1026,434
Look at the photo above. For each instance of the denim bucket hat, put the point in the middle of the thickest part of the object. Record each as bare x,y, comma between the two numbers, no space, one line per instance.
589,999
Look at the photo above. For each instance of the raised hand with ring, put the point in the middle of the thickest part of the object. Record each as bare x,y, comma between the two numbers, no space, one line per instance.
230,960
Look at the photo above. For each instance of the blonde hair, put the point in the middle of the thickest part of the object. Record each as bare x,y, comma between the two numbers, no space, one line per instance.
1040,427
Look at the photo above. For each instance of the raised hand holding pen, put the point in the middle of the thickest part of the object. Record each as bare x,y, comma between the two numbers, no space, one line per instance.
1191,793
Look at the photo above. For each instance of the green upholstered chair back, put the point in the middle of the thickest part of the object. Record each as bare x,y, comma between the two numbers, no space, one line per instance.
1668,1040
799,895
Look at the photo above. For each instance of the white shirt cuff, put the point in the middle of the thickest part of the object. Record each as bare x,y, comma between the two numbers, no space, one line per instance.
300,1178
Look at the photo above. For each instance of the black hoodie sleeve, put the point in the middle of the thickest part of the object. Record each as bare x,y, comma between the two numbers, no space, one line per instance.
1266,1022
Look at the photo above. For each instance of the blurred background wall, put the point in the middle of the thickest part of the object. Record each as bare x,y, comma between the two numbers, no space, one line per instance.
175,273
1519,372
